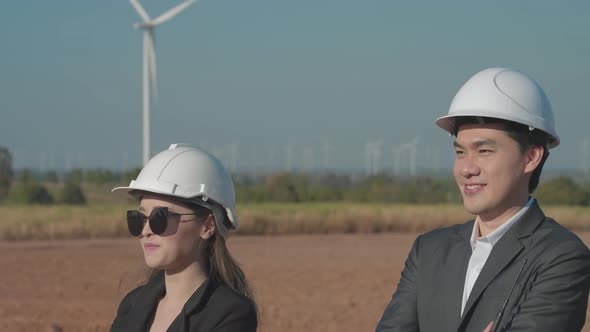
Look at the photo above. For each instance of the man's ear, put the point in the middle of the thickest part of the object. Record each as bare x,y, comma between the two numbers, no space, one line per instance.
209,227
534,157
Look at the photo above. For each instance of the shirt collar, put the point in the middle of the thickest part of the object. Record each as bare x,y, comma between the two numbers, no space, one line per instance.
497,234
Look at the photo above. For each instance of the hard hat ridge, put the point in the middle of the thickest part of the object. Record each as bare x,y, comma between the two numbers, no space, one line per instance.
504,94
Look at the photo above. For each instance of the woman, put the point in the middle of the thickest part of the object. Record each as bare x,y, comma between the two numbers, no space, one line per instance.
186,210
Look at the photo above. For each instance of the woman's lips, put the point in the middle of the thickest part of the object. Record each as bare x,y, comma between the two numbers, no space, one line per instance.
150,246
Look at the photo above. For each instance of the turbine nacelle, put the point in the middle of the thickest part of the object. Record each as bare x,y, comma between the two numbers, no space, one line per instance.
144,25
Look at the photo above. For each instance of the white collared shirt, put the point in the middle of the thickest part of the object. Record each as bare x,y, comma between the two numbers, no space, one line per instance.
481,247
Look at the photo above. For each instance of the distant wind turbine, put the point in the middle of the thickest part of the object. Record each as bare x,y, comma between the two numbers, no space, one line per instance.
373,156
308,159
407,150
233,157
585,155
327,149
289,153
149,63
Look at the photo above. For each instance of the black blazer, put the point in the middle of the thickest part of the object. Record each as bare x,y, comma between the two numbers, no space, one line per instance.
551,293
213,307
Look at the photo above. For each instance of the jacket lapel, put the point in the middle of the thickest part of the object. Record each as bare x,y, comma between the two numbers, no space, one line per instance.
197,301
142,311
457,266
503,253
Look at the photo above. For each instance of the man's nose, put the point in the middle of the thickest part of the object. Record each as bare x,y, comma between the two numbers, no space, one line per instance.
468,167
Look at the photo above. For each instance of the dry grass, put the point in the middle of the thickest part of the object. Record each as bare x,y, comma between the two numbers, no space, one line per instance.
345,218
107,220
373,218
61,222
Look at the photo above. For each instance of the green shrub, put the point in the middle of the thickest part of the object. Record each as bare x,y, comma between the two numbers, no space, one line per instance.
100,176
131,175
51,177
285,187
562,191
26,175
76,176
30,193
6,173
72,194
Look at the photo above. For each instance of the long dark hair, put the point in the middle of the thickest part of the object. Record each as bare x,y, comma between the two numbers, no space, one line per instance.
223,267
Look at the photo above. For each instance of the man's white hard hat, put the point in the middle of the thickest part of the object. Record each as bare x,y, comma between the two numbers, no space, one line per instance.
503,93
191,174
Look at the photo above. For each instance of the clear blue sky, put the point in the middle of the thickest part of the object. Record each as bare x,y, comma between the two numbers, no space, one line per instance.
265,74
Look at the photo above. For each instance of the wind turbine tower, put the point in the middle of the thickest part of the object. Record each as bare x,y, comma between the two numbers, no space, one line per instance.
308,159
585,155
149,63
233,154
289,153
407,152
413,150
327,149
373,156
397,158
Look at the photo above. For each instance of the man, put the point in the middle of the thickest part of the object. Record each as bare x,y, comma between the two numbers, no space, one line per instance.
512,268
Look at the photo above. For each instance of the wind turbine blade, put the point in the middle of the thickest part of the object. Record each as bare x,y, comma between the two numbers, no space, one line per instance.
172,12
151,51
139,9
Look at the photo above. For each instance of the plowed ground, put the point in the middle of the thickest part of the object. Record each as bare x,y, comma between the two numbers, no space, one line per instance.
324,283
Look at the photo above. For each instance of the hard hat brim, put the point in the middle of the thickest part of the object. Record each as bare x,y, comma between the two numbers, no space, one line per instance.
447,123
128,190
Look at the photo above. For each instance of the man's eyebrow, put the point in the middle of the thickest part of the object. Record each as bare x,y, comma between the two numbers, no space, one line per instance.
476,144
482,142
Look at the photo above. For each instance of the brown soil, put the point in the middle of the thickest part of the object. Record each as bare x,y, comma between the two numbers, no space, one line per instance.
302,283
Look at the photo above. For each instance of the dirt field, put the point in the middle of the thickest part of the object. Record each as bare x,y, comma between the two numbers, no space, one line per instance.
303,283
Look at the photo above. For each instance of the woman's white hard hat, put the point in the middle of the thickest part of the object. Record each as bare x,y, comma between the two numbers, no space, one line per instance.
503,93
191,174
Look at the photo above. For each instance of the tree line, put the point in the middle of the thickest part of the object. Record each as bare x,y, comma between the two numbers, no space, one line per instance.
26,186
386,188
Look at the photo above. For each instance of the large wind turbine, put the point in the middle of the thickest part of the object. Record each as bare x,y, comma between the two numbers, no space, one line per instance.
149,63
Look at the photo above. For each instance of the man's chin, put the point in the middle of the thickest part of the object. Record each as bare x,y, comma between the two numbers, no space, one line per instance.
471,208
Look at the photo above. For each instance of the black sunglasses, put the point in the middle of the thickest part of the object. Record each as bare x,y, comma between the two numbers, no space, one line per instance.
158,220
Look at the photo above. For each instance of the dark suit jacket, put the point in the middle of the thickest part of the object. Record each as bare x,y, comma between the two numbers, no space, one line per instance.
551,293
212,308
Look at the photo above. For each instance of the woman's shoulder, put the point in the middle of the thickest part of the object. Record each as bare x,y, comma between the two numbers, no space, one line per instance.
143,295
130,298
124,309
227,310
138,304
127,304
224,297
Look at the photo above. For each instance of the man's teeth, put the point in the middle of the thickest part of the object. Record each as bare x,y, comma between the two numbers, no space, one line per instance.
473,186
